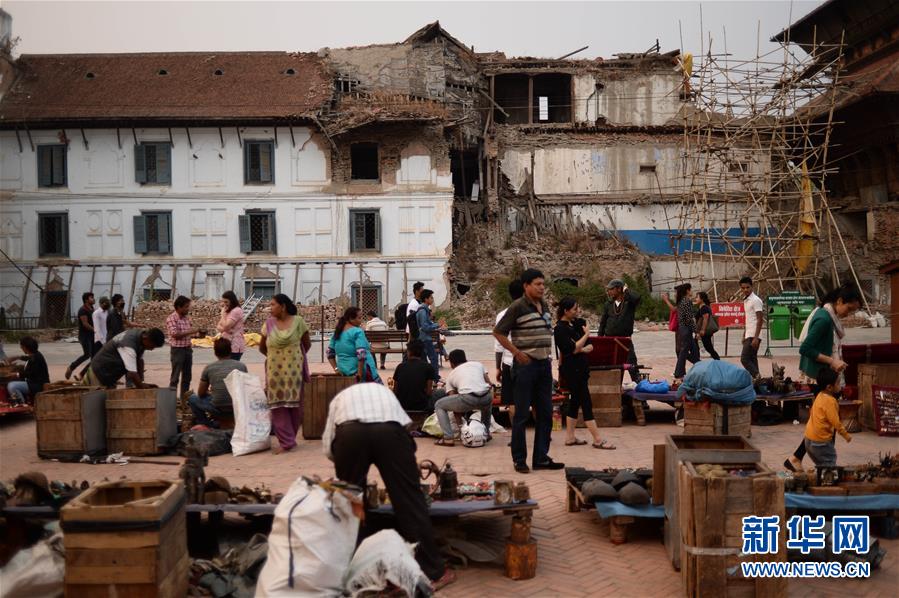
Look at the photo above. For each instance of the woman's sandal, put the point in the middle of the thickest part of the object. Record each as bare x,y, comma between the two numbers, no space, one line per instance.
575,442
604,445
789,466
445,442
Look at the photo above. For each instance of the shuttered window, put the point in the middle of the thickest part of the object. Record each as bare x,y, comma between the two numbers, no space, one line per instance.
153,163
53,235
259,162
365,230
257,232
51,165
153,233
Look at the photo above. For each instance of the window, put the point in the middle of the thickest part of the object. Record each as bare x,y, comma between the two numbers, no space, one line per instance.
259,163
51,165
153,233
53,234
261,288
647,168
153,163
364,162
365,230
257,232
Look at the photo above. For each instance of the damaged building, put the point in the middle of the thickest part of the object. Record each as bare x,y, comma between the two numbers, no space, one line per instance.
344,174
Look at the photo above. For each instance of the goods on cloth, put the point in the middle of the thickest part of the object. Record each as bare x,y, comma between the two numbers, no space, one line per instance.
597,490
312,540
214,442
660,387
252,419
252,339
623,478
71,422
698,449
633,494
35,571
382,559
718,380
712,508
140,421
126,539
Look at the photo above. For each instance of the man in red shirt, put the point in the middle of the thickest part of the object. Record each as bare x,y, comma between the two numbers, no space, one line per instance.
179,329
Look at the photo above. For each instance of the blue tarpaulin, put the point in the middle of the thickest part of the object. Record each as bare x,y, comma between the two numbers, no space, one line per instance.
652,387
872,502
719,381
616,508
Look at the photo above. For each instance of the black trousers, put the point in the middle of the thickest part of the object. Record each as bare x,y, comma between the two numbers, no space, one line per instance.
182,367
87,349
390,448
710,346
579,386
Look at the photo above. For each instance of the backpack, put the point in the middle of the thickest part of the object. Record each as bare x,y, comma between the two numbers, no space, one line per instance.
399,316
413,324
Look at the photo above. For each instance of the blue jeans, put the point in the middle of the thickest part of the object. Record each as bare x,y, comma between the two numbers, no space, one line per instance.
431,354
533,388
203,408
18,391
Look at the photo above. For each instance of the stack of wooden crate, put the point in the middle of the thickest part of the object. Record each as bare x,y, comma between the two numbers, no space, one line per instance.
605,394
126,539
317,397
711,523
140,421
707,418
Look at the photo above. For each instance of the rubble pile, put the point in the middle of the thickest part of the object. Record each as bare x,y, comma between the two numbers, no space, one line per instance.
320,317
205,314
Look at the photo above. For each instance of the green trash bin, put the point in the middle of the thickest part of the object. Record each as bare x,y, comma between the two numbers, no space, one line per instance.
800,315
779,322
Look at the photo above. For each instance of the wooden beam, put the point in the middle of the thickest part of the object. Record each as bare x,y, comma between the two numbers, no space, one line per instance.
405,281
190,142
234,276
134,134
360,285
84,140
321,284
25,290
112,281
118,137
492,101
239,140
19,140
530,99
222,139
278,277
386,288
174,281
69,292
93,276
133,286
296,280
193,282
293,142
171,139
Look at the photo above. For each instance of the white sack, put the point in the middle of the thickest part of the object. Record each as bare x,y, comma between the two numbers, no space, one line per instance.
385,557
252,419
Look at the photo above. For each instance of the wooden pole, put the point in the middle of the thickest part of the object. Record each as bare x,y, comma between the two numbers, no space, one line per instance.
43,300
93,275
131,295
342,277
321,284
405,281
278,278
193,282
387,289
25,291
233,276
112,282
360,286
296,280
174,281
69,292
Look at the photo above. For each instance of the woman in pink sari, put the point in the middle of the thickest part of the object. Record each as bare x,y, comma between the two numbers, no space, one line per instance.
231,324
285,341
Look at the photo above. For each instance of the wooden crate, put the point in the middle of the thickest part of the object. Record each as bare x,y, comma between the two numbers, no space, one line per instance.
126,539
704,418
699,449
317,397
711,517
873,375
140,421
605,394
71,422
849,415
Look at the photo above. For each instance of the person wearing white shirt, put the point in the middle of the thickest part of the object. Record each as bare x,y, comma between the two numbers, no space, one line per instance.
468,389
754,311
413,303
366,426
376,324
504,360
98,318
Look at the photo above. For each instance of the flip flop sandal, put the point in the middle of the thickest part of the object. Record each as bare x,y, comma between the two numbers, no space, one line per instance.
605,445
577,442
444,442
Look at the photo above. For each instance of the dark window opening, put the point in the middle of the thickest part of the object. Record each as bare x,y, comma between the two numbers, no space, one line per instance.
53,235
511,92
55,307
647,168
462,288
365,230
51,165
157,294
257,232
153,233
259,162
162,72
552,98
261,288
566,280
346,85
464,168
369,299
153,163
738,166
364,162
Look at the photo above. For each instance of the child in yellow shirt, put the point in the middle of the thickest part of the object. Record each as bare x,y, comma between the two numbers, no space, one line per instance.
824,421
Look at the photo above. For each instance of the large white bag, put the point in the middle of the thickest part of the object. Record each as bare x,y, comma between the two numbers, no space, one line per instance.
382,558
252,419
312,541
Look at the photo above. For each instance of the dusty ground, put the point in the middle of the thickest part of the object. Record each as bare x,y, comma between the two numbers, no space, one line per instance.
575,555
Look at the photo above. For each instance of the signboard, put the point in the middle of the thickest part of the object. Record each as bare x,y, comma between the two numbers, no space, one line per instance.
730,315
791,299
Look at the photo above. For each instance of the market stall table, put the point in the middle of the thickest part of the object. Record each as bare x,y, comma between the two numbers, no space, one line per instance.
638,399
619,515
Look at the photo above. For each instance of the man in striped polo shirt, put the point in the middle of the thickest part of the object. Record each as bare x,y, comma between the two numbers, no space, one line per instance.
526,331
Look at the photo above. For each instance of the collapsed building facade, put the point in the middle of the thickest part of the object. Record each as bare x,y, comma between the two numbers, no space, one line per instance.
345,174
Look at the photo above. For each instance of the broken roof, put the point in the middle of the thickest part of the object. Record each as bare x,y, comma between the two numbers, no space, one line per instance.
181,86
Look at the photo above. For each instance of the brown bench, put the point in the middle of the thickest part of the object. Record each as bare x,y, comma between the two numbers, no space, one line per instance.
389,339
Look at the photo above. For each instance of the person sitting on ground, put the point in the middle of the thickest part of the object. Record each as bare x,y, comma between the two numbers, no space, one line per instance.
824,420
467,389
212,398
413,380
124,356
376,324
33,377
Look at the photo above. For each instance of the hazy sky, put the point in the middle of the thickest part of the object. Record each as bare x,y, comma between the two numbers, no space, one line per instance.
547,28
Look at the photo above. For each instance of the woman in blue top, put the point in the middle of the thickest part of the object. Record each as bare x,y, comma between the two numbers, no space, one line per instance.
349,352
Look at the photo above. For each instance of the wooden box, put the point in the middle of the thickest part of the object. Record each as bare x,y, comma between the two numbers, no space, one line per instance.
711,519
873,375
605,394
317,398
698,449
849,415
71,422
140,421
126,539
705,418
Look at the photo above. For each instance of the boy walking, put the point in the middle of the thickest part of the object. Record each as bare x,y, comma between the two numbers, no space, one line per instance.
824,420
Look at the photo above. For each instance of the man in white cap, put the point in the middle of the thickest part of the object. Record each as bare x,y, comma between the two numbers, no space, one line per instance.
618,318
